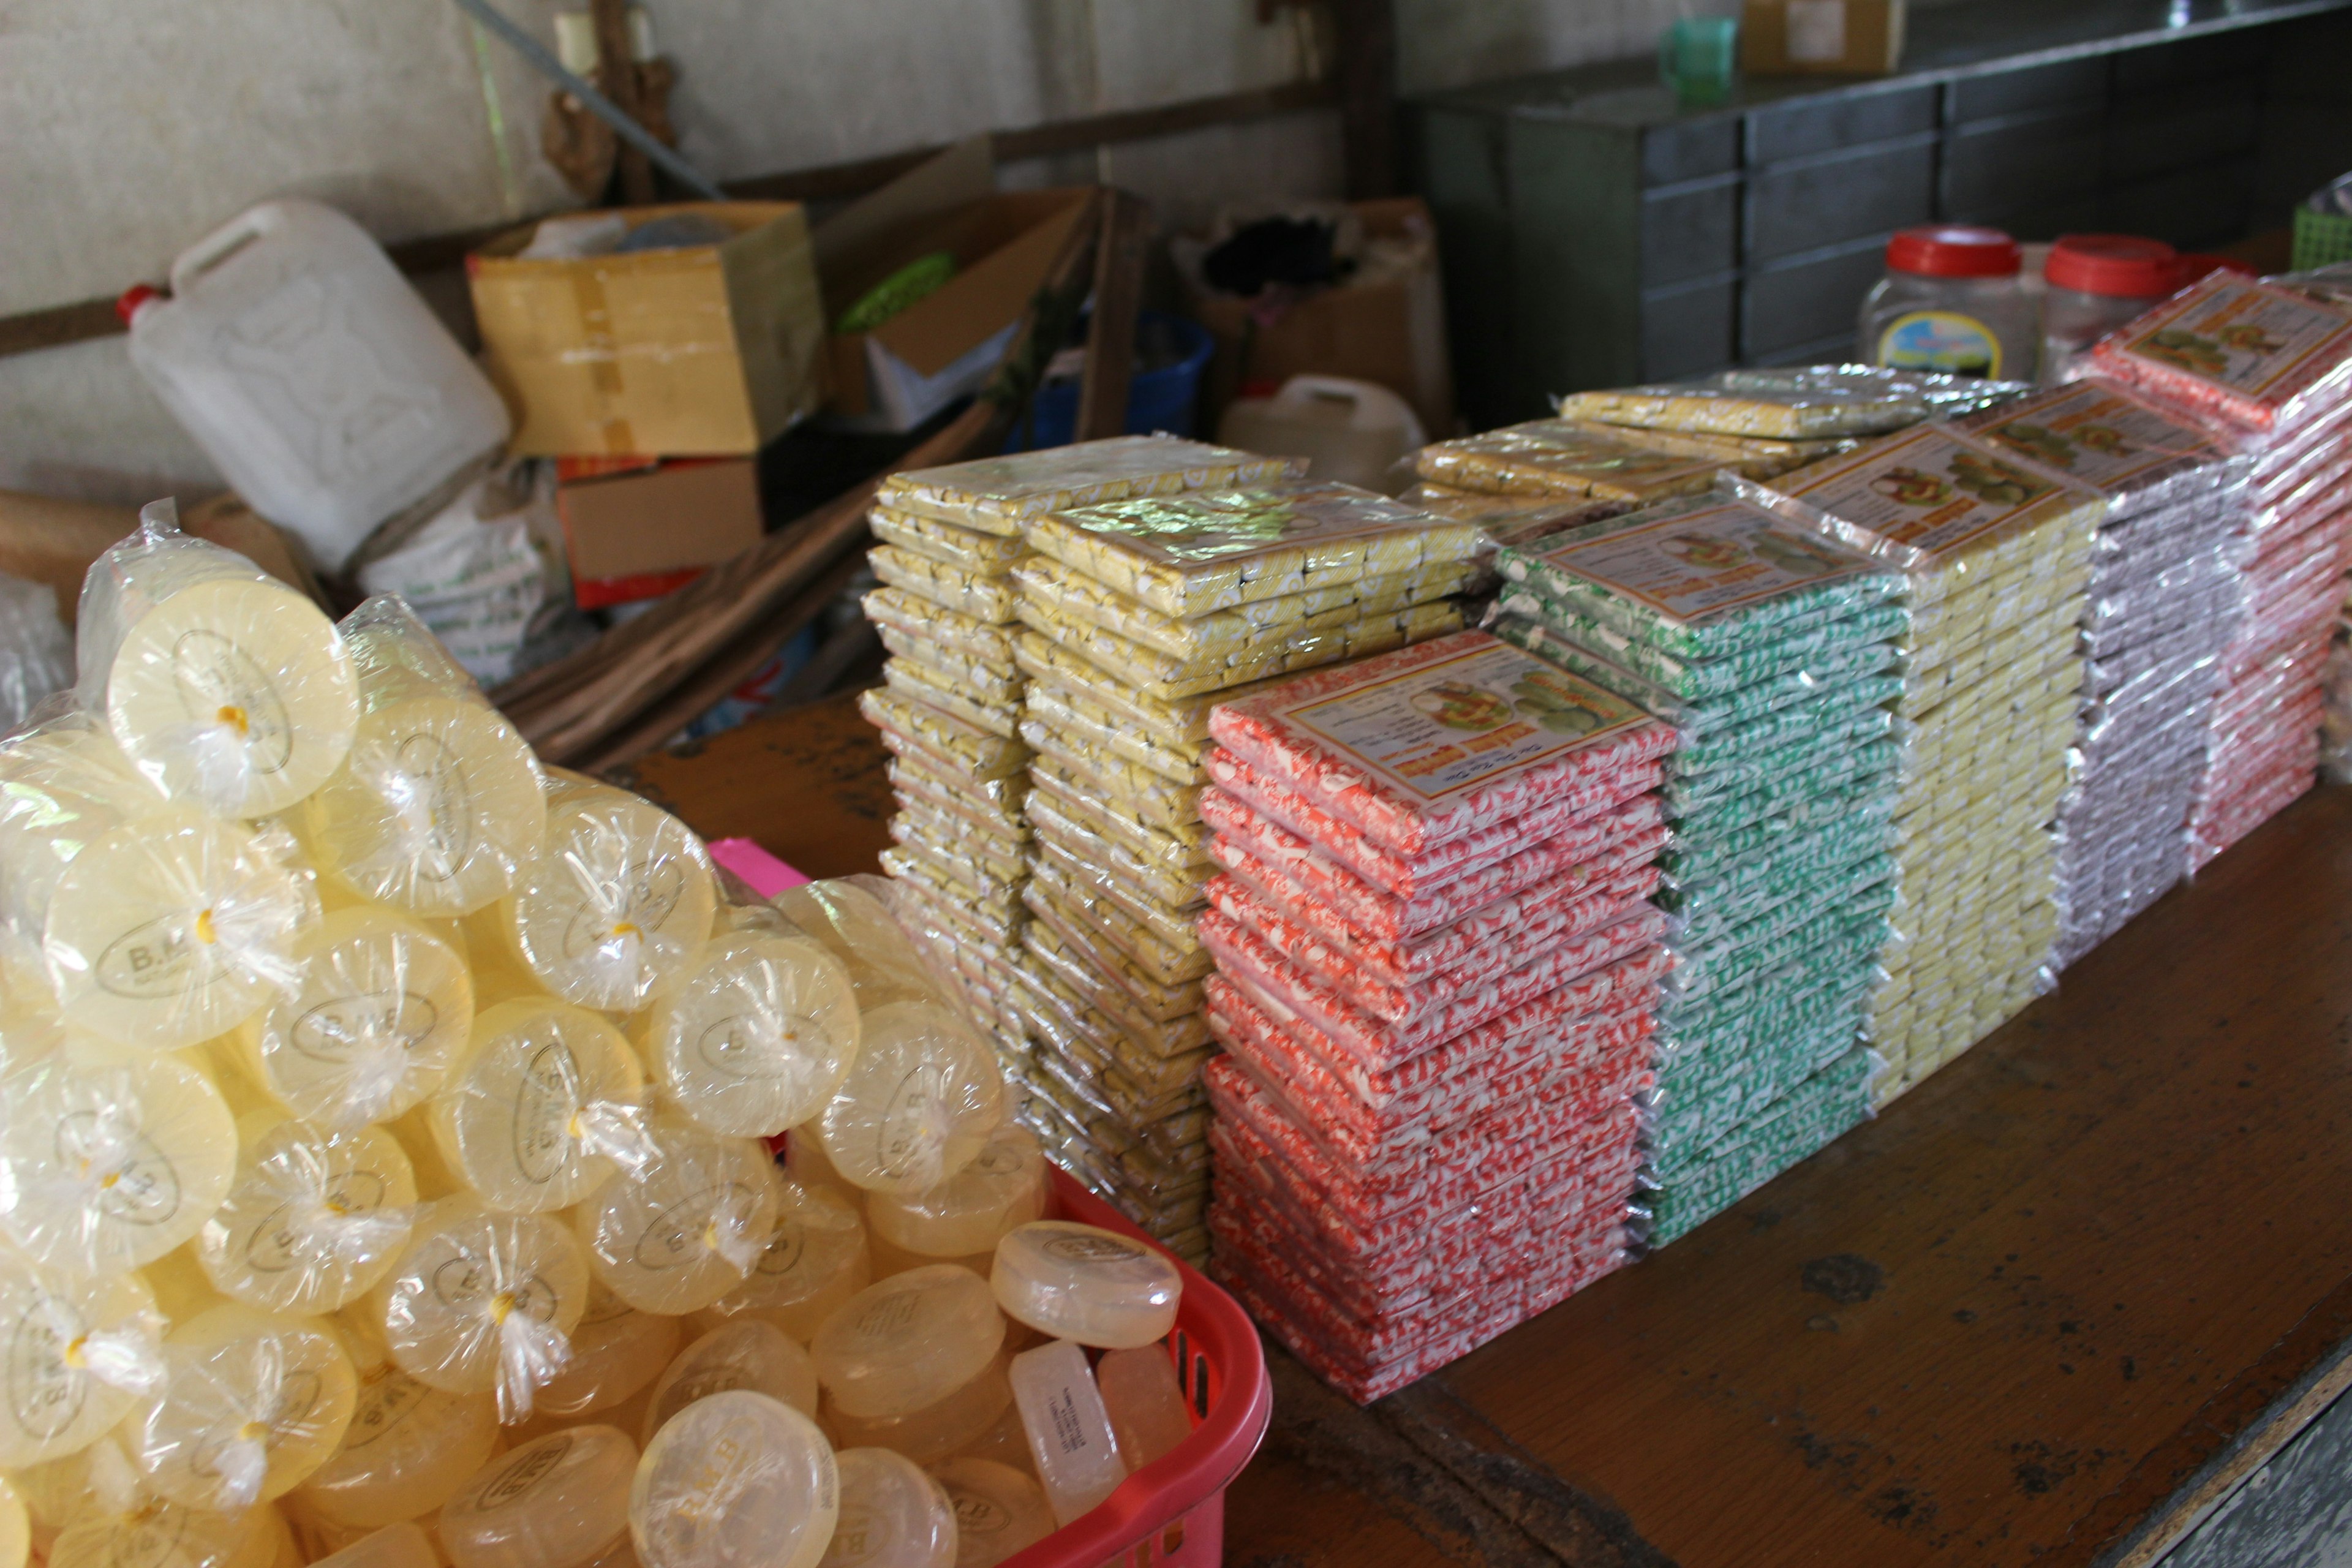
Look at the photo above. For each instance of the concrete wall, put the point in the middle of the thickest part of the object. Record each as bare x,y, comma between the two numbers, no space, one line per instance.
135,126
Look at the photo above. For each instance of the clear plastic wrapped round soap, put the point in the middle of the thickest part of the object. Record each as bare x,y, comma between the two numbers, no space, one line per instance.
754,1035
616,1350
736,1481
688,1225
407,1450
152,1533
559,1501
314,1218
252,1403
80,1352
539,1105
1003,1188
744,1355
1079,1282
893,1514
815,1260
909,1340
485,1302
920,1103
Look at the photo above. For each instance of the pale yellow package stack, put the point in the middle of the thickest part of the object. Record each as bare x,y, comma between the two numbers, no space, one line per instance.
385,1170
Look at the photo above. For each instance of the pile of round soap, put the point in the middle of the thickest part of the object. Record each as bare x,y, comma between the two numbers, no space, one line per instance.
385,1151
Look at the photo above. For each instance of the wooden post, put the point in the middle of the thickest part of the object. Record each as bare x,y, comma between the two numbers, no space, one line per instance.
616,75
1366,33
1118,292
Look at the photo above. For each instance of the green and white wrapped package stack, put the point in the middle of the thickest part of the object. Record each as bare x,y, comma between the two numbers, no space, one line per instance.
948,542
1999,558
1771,648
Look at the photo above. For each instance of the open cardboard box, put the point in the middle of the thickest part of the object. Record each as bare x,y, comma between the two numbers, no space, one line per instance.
700,350
637,528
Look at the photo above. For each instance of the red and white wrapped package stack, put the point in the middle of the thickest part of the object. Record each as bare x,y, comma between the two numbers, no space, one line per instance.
1436,969
2270,362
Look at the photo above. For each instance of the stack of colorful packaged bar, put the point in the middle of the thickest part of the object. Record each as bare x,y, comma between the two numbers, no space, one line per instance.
1436,965
2164,596
1999,557
950,709
1770,647
2270,363
1138,617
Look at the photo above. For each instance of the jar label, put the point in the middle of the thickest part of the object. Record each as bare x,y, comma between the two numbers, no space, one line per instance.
1943,340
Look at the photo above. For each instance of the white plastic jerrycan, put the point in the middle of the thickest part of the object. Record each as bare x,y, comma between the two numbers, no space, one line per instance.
310,372
1350,430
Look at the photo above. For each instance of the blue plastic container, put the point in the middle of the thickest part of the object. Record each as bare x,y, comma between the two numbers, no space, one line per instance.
1161,399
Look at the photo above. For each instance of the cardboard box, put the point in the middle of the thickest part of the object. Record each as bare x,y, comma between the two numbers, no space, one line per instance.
637,528
702,349
1003,244
1821,37
1389,328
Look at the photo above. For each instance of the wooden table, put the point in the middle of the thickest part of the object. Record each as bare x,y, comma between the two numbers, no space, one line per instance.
2046,1309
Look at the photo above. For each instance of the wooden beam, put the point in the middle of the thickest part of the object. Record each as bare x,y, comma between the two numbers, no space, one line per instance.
54,326
616,75
1366,33
1119,295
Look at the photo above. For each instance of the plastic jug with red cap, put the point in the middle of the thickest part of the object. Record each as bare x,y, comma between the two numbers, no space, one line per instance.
1952,301
2096,283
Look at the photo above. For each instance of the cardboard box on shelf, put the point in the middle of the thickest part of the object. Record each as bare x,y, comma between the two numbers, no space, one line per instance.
1386,325
1821,37
701,349
636,527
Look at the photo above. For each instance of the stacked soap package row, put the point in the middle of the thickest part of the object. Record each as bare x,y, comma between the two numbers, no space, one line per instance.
1999,557
1436,969
1770,648
2164,596
1137,618
950,708
2270,364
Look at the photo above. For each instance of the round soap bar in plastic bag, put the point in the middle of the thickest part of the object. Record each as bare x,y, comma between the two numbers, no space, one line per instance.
920,1103
232,690
540,1104
688,1225
909,1340
1077,1282
80,1352
437,809
815,1259
892,1515
744,1355
109,1156
382,1007
616,1350
68,787
172,930
408,1450
614,905
154,1533
485,1302
314,1218
252,1403
754,1034
1003,1187
999,1510
738,1480
560,1501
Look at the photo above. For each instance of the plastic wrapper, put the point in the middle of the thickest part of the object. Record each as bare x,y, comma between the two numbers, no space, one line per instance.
997,495
1164,964
1188,557
1162,678
2254,356
1171,721
917,620
1787,410
989,600
1377,743
249,1404
956,669
981,852
1512,519
542,1105
918,1101
688,1226
484,1303
1566,458
88,1350
37,651
969,550
1069,984
2140,456
561,1500
736,1481
1809,1116
1059,938
1814,653
226,686
948,743
1753,456
408,1450
920,684
313,1219
147,1528
1106,859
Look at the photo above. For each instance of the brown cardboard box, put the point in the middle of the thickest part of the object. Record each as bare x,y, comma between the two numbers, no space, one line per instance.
1390,330
1821,37
636,530
700,350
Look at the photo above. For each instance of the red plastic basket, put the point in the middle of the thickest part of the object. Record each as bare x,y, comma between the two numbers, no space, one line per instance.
1173,1512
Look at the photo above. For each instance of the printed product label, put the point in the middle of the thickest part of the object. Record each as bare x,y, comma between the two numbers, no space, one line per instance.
1930,492
522,1477
643,895
549,1095
2241,335
1443,727
1703,564
2096,435
45,1395
158,958
387,1397
1069,1248
675,1235
281,1239
1943,340
744,1045
785,1250
334,1031
433,771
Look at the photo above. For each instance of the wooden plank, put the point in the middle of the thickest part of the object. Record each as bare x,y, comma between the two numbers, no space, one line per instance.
1366,35
616,77
1119,294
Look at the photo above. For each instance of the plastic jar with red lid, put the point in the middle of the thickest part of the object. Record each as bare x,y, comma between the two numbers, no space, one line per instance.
2095,283
1952,301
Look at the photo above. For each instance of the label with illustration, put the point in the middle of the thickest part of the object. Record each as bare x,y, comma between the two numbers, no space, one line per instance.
1702,564
1442,728
2094,433
1944,341
2240,334
1931,492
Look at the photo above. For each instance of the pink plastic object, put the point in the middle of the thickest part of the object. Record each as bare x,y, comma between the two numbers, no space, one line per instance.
1173,1512
763,872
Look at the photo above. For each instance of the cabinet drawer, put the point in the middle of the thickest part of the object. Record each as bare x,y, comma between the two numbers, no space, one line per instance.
1690,151
1782,307
2067,84
1823,201
2020,164
1690,231
1687,331
1833,120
